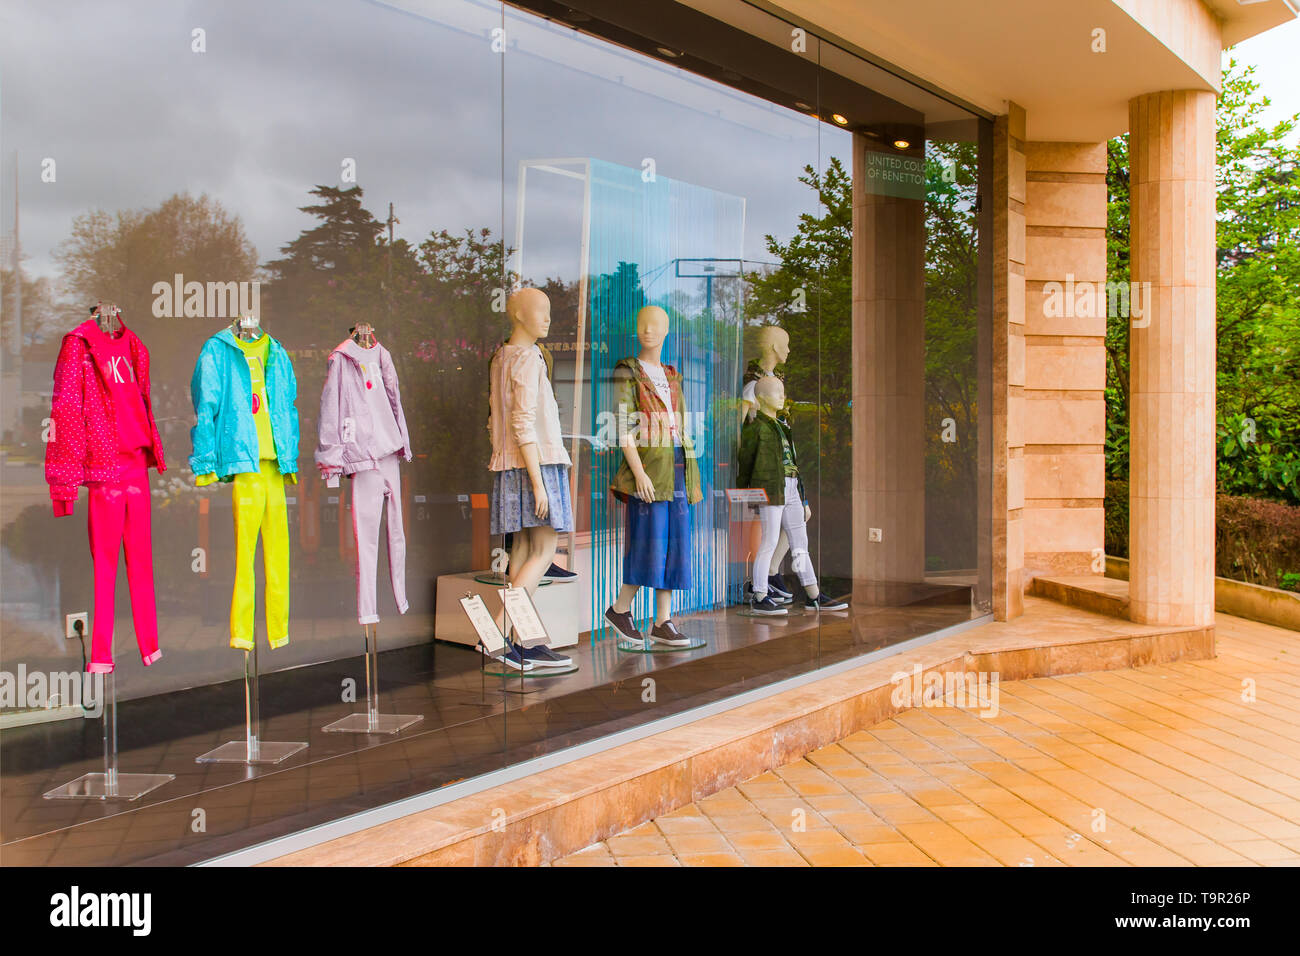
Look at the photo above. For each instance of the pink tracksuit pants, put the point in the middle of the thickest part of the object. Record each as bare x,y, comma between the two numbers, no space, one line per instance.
370,489
120,521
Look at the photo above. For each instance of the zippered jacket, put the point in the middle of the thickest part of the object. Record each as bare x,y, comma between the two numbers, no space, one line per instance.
83,440
761,462
348,439
224,436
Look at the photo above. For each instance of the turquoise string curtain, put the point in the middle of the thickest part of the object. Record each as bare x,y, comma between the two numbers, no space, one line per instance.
658,241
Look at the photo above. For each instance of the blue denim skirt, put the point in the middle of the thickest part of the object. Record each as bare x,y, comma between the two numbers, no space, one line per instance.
657,546
512,500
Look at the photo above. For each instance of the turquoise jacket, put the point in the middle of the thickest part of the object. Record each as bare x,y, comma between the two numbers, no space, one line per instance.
224,436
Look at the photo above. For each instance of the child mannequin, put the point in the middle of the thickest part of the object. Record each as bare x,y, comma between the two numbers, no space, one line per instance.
658,480
768,460
530,490
773,351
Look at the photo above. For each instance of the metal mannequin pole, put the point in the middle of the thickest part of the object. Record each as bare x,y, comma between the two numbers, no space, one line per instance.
372,721
109,785
252,750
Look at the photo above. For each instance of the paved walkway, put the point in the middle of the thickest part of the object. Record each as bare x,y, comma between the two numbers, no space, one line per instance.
1170,765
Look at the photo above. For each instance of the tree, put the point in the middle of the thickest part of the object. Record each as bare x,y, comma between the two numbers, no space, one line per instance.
1258,298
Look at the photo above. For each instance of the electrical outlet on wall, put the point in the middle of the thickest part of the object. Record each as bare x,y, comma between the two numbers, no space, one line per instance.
70,624
875,534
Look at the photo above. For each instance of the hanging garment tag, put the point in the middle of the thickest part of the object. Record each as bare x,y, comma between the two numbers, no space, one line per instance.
529,629
489,635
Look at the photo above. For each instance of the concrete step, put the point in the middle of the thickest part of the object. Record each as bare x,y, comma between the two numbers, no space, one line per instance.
1088,592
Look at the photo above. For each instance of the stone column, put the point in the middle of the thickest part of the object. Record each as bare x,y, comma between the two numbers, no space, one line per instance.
1008,363
1065,357
888,388
1172,357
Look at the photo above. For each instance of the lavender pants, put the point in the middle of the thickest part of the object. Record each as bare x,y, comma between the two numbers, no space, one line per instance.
369,491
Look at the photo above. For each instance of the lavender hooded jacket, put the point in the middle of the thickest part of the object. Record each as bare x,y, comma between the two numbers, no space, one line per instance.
348,442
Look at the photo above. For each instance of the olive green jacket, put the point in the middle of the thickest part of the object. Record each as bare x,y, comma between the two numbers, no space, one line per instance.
641,413
761,464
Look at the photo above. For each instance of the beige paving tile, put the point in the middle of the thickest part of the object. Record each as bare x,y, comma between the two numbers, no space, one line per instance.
1184,772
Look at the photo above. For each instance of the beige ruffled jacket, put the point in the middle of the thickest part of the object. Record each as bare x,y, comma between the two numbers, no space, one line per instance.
522,409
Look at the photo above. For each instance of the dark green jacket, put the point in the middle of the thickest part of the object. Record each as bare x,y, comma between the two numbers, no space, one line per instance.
637,404
761,464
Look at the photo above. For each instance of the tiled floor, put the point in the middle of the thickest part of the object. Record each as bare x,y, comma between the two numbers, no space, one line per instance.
1191,763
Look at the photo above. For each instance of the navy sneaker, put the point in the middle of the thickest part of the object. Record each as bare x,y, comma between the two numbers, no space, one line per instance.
559,575
824,603
512,659
763,604
543,656
776,587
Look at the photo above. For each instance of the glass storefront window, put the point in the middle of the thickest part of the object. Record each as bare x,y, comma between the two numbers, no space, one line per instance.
758,297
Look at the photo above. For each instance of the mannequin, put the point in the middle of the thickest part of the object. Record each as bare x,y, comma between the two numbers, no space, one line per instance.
658,480
768,460
530,491
773,350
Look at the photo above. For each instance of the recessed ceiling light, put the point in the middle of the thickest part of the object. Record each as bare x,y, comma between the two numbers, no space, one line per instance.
668,52
800,104
842,120
902,143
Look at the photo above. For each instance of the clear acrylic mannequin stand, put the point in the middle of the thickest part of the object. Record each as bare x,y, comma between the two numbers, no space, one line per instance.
251,750
110,785
372,721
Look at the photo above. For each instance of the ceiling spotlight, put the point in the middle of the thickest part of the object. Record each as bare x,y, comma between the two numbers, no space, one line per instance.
842,120
801,105
901,144
668,52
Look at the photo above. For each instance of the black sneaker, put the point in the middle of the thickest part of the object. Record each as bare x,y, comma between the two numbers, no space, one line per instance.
559,575
776,587
824,603
764,605
543,656
667,633
623,623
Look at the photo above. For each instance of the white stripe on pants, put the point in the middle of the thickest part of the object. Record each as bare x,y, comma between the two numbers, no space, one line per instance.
790,517
369,489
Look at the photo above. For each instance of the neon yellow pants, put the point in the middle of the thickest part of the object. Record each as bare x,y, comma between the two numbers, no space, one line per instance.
259,506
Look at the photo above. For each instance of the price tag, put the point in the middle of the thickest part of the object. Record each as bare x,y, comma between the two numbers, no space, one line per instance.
747,496
489,635
529,629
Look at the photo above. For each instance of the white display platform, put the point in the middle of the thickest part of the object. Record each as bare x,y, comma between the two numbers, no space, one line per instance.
565,609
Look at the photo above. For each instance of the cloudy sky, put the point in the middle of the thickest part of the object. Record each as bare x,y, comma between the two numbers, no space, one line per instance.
436,121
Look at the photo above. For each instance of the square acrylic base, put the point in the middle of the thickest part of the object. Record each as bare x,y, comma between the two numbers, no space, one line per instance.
380,724
92,786
268,751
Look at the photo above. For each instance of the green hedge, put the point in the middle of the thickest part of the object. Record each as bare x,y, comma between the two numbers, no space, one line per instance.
1256,541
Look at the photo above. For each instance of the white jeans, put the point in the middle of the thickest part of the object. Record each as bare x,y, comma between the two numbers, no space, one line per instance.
773,518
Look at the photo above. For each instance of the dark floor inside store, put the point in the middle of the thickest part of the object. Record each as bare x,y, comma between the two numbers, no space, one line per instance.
472,725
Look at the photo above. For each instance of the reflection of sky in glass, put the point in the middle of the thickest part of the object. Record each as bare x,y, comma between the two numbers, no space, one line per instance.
285,92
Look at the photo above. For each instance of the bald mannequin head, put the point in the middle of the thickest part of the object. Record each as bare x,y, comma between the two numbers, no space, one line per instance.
651,326
769,391
529,311
773,346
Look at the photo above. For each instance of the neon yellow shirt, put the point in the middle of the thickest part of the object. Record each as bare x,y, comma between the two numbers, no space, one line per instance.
255,354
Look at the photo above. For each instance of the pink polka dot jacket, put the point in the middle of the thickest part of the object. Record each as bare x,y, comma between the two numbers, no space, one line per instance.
82,443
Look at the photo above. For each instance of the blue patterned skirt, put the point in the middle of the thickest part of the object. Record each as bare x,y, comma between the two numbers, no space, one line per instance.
512,500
